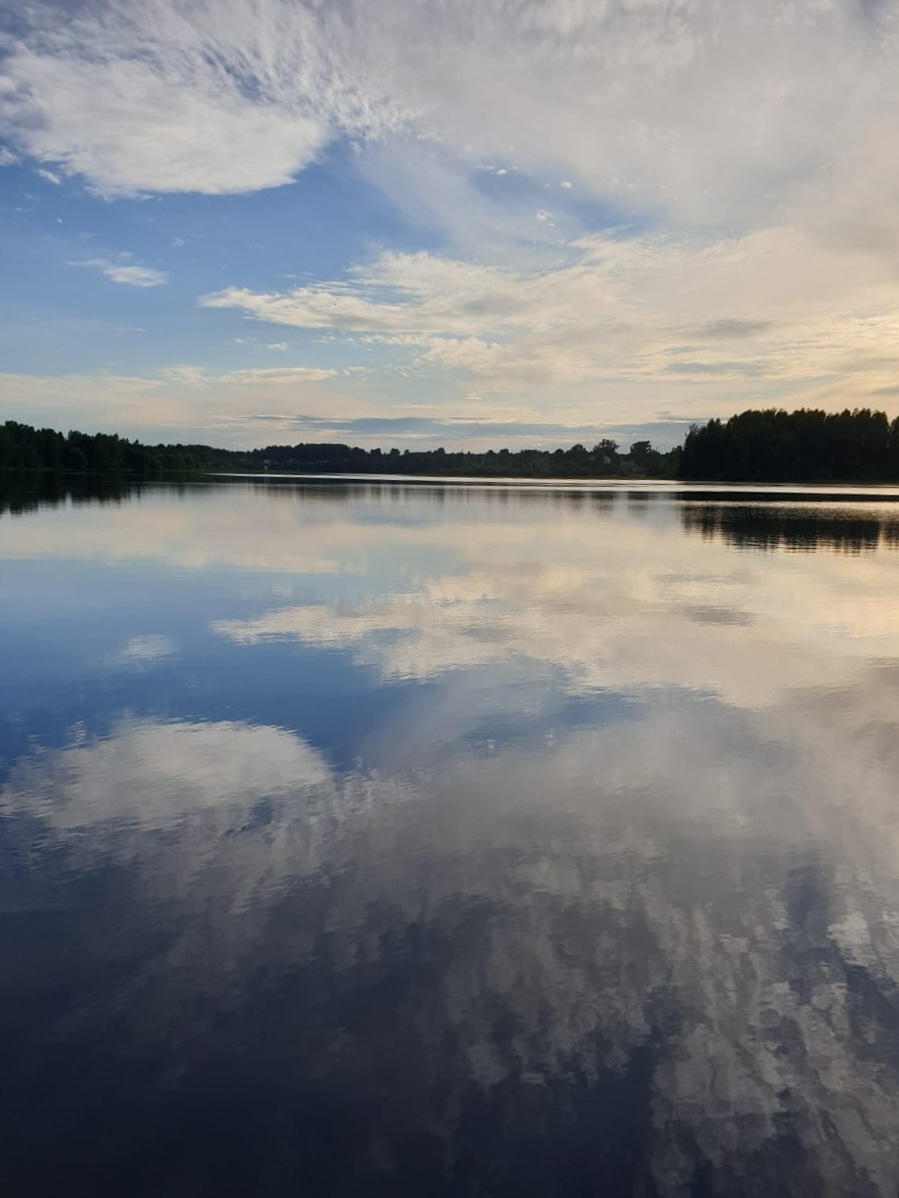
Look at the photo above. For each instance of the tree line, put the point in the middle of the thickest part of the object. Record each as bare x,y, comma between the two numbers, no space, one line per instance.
807,445
603,460
26,449
769,445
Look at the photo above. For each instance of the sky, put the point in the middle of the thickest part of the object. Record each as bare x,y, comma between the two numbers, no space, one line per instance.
476,223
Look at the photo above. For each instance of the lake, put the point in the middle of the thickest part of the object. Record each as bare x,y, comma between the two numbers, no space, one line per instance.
376,838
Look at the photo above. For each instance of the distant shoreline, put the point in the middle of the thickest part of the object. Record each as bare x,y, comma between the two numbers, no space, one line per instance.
756,448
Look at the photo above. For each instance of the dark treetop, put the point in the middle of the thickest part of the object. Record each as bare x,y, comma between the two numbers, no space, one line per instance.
801,446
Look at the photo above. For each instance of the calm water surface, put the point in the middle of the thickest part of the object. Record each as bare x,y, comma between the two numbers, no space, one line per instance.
374,839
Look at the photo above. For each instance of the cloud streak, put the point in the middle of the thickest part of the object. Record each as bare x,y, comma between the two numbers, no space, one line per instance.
129,273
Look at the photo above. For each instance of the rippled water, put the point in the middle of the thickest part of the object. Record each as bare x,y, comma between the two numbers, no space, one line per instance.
374,839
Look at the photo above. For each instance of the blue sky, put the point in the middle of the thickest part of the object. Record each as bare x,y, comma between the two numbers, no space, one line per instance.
499,222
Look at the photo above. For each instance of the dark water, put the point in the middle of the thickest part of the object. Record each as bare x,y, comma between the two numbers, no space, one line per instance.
364,839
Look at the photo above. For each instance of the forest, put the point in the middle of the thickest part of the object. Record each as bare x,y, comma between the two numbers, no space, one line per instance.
23,448
27,449
807,445
765,445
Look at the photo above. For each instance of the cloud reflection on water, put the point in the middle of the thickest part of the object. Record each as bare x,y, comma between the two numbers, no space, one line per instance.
688,897
615,605
657,952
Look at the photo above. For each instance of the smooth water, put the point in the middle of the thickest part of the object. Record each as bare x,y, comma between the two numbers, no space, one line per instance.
381,839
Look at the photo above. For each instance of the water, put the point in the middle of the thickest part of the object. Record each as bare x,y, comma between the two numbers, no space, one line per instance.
382,839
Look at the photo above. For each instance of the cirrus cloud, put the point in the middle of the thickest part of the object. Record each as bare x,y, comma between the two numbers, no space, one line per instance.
705,109
129,273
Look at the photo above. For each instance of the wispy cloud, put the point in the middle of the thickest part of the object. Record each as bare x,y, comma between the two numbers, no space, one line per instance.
431,429
243,408
230,98
771,305
178,402
705,109
274,374
129,273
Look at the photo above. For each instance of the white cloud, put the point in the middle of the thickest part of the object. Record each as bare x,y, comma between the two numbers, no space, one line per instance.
180,402
49,176
135,276
623,331
769,309
276,374
703,108
159,100
214,98
281,346
126,272
198,377
7,157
